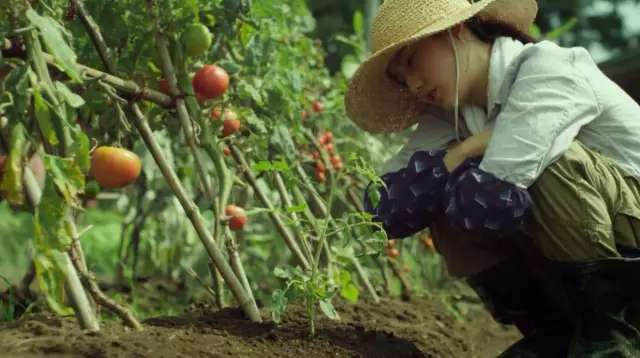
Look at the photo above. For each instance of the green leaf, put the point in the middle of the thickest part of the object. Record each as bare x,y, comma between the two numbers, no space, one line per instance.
50,276
278,305
327,308
11,183
71,98
358,23
534,31
296,208
18,82
566,27
43,116
53,38
283,142
51,231
80,148
67,177
282,273
350,292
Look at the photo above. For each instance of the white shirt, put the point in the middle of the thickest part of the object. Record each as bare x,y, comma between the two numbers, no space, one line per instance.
540,98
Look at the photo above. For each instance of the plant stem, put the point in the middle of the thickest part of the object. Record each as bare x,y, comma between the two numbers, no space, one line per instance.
365,279
286,234
286,200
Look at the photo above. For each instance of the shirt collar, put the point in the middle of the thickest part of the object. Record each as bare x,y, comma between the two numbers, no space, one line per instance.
503,52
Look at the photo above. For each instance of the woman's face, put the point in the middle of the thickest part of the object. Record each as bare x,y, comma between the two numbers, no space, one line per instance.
427,69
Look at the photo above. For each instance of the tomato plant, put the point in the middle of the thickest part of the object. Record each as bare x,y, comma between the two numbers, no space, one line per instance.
62,93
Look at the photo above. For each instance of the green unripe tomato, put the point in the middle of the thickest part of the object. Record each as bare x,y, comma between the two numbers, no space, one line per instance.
196,40
92,189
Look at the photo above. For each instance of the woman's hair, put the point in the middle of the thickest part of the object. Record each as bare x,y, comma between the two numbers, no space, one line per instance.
489,30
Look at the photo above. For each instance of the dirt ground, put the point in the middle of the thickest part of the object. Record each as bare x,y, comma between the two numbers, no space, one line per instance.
392,328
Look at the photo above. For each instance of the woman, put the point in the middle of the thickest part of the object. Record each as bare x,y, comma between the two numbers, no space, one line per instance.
532,191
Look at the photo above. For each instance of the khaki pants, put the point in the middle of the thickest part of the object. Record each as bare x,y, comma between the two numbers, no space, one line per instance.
584,206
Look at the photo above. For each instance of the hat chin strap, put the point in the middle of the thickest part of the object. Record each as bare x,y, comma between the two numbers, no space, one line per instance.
456,105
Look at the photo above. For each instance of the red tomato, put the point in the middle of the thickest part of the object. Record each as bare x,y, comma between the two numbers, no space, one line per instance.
230,126
317,106
114,167
329,148
320,167
226,151
237,217
163,85
393,252
210,81
321,176
325,138
336,162
215,113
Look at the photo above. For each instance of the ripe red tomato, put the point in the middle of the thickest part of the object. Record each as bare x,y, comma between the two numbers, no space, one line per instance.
163,86
228,114
317,106
321,176
114,167
210,81
226,151
329,148
336,162
393,252
237,217
230,126
325,138
320,167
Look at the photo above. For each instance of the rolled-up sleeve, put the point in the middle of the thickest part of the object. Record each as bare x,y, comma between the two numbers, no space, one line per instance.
546,106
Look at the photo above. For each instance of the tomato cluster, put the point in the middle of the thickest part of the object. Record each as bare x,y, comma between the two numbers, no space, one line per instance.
326,143
230,122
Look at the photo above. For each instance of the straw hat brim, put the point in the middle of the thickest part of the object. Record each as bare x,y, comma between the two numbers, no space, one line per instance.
376,103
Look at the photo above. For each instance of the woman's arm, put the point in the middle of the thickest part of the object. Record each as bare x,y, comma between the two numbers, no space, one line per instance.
471,147
410,197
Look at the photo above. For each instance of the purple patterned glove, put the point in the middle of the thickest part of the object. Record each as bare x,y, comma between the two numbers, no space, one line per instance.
478,201
413,195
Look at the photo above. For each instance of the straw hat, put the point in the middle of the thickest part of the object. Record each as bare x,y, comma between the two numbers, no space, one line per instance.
376,103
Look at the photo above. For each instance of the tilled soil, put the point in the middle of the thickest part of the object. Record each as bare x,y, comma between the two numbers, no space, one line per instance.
392,328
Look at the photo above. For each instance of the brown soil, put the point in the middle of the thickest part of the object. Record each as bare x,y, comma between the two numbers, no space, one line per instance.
422,328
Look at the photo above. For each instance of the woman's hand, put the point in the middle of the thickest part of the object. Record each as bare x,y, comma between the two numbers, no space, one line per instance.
471,147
